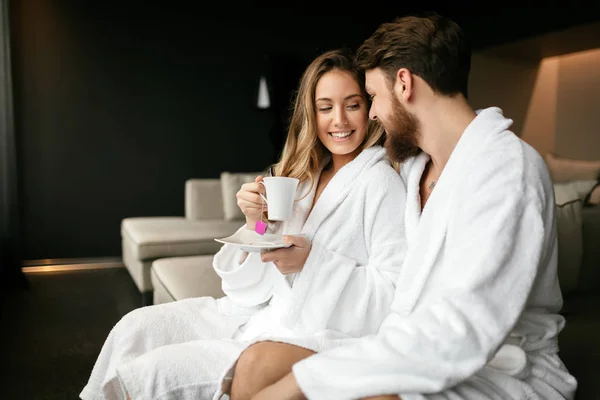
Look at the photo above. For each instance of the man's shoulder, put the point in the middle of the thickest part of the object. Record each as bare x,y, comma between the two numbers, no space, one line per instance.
508,164
509,153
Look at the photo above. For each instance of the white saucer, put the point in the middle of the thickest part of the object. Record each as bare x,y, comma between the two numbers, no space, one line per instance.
252,242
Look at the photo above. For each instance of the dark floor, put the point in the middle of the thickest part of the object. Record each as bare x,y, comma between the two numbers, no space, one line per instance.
52,333
580,343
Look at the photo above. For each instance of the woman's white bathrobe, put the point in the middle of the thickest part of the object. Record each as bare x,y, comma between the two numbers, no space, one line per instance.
480,272
184,349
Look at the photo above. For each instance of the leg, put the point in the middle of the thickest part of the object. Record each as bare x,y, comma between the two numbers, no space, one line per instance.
287,388
263,364
144,330
183,371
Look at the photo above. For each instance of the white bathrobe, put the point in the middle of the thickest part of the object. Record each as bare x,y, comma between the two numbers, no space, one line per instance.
347,283
185,349
480,272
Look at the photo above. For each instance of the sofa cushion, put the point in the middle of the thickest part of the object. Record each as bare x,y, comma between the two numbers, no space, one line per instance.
155,237
589,277
564,169
569,235
203,199
230,184
582,188
593,198
185,277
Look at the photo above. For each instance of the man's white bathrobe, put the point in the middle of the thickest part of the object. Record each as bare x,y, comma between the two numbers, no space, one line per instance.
184,349
479,280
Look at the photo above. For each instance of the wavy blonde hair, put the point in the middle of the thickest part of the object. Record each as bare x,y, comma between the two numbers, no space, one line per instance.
303,152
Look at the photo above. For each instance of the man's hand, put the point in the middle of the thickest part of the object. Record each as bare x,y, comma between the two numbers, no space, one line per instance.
284,389
291,259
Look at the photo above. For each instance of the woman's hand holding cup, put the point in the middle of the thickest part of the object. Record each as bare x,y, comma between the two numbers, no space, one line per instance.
250,202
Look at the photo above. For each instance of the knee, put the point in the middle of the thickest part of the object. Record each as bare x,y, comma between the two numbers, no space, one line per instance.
251,364
252,373
139,319
128,323
133,317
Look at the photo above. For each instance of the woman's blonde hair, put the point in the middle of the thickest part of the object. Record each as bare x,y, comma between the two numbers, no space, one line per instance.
303,152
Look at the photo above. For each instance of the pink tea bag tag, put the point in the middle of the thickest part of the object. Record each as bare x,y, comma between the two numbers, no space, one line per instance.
260,227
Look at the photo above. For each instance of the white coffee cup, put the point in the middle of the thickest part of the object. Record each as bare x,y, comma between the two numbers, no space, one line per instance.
281,192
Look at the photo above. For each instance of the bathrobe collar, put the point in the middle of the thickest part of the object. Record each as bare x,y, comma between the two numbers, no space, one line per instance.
334,193
426,231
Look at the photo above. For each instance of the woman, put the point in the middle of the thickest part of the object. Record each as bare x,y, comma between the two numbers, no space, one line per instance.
335,281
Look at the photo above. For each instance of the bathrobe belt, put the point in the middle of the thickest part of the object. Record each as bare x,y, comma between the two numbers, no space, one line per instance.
511,357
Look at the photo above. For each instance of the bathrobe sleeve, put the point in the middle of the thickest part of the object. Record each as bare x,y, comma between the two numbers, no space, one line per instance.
249,283
351,297
492,256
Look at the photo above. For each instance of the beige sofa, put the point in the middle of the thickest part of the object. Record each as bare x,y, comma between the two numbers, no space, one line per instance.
210,212
184,277
577,191
183,268
178,278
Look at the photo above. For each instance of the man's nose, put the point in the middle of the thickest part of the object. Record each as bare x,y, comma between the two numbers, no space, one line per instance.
372,114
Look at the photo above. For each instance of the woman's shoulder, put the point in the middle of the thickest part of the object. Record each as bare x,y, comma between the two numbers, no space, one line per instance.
383,178
382,169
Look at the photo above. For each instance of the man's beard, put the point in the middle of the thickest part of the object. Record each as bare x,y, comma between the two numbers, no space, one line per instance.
401,140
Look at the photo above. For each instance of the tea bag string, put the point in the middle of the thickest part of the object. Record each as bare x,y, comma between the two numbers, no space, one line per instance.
262,209
262,199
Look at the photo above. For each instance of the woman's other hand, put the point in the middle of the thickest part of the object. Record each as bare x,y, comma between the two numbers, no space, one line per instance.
291,259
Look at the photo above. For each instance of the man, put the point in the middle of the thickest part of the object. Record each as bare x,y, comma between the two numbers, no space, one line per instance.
475,314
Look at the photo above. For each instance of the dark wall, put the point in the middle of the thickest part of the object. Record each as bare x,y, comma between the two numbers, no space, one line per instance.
116,106
117,103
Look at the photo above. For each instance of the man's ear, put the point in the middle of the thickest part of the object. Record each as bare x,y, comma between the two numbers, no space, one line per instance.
404,83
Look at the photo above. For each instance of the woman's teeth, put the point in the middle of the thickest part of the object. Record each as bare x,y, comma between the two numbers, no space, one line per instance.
341,135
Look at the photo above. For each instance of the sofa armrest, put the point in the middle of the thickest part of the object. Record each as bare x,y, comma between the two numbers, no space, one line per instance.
203,199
